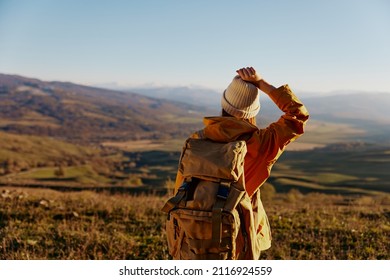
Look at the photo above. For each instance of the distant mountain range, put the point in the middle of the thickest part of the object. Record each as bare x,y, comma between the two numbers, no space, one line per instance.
76,112
192,95
351,107
345,105
357,106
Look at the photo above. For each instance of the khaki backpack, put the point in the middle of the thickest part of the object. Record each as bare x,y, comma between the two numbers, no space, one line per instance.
210,217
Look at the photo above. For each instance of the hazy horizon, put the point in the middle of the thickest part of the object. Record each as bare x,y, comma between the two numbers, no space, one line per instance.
151,86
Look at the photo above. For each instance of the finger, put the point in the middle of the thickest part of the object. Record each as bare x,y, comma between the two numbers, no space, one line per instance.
246,72
240,72
250,71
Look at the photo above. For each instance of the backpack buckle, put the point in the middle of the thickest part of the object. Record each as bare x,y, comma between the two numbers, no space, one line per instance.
223,190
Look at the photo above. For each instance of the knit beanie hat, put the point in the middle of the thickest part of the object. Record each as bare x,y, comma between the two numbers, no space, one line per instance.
241,99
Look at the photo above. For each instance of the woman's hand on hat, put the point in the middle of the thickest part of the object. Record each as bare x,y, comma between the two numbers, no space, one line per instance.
249,74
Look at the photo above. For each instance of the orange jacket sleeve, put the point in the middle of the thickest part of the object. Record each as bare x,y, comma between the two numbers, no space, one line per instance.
289,126
266,145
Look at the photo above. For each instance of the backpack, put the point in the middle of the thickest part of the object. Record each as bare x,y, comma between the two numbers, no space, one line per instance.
210,217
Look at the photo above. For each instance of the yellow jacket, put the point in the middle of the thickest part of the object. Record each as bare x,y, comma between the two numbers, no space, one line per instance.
264,146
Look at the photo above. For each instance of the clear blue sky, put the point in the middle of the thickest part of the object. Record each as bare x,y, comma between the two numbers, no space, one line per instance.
315,46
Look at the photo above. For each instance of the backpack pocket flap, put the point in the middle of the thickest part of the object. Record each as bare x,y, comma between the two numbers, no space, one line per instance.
234,198
198,224
204,196
207,159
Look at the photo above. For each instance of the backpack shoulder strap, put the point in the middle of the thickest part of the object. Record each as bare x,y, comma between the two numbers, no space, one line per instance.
200,134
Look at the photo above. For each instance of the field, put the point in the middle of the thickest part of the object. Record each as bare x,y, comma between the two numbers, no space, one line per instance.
317,162
338,168
68,201
47,224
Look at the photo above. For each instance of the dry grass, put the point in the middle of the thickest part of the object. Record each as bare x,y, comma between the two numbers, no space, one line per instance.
45,224
329,227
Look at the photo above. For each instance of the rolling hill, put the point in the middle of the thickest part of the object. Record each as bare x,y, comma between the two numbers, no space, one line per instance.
80,113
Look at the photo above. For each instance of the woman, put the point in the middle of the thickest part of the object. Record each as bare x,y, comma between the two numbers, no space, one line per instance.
240,105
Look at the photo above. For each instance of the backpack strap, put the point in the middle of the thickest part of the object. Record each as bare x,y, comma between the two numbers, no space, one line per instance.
200,134
174,201
223,191
183,194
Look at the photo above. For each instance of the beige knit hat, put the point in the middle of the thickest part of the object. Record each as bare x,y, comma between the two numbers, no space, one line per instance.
241,99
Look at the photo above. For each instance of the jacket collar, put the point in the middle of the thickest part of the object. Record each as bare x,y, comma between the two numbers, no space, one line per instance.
226,129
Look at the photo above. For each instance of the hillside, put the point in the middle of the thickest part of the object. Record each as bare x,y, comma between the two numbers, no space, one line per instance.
41,161
81,113
25,152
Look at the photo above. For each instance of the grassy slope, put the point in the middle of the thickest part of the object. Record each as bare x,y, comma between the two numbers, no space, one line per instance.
39,149
85,114
45,224
36,160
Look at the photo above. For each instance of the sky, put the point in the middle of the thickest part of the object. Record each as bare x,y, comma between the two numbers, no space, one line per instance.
314,46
